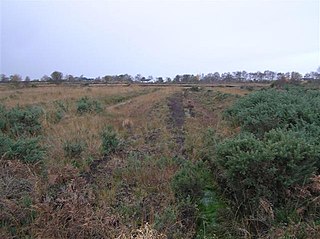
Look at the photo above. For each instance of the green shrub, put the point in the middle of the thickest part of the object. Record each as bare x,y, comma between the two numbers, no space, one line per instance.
28,150
295,155
5,145
74,148
87,105
191,180
264,171
210,206
17,136
3,117
210,141
23,121
221,96
266,168
110,141
269,109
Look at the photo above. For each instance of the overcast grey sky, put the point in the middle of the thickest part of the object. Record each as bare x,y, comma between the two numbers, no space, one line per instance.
159,38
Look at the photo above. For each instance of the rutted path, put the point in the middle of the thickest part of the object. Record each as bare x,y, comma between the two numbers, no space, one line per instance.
111,107
104,165
128,99
176,120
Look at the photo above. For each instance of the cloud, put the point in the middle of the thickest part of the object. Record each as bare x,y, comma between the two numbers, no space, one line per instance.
157,37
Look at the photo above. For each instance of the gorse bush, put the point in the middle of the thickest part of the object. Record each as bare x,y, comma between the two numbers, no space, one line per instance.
195,193
275,155
5,144
20,121
3,118
110,141
210,141
267,168
264,110
191,180
87,105
18,136
28,150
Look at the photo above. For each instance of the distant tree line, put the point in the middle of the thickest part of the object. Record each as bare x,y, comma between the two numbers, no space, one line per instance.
216,77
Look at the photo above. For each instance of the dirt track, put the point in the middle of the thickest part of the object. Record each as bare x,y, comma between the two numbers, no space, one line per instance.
176,120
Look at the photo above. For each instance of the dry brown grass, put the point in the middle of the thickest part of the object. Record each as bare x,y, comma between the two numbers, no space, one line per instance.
233,90
207,109
48,94
87,127
65,200
73,215
118,196
145,182
20,185
145,232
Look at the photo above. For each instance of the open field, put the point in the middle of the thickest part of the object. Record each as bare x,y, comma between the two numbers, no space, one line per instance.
146,162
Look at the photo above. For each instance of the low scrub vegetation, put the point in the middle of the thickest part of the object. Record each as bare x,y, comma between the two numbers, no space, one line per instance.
87,105
160,162
110,141
19,135
267,171
20,121
269,109
20,149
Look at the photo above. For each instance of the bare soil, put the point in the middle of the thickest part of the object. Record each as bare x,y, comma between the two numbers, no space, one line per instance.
176,120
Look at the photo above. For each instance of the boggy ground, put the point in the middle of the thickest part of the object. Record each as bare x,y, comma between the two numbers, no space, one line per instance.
125,194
